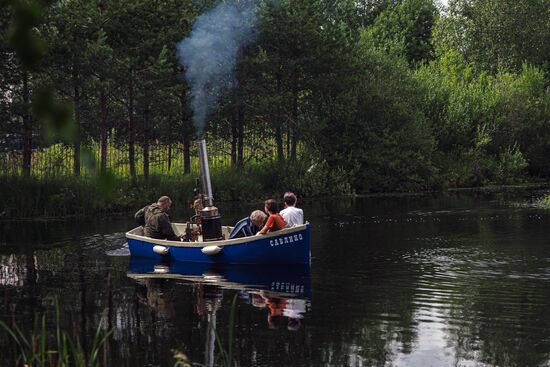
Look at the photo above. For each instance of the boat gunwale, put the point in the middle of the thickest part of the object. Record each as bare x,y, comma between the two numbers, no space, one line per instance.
229,242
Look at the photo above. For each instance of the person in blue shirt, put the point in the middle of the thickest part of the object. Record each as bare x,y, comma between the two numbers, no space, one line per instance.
249,226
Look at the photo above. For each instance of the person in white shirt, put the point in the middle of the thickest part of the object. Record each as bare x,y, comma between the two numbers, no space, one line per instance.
293,216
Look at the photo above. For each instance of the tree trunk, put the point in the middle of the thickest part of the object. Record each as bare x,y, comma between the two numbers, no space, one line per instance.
169,156
240,135
233,143
278,123
292,133
186,155
146,117
234,125
186,133
76,157
76,100
287,147
103,132
27,128
169,148
237,126
293,146
279,142
131,147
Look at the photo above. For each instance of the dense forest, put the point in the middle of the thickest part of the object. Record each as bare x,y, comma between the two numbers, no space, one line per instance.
376,95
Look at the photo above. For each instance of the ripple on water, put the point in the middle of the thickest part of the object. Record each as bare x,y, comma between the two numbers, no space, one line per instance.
112,243
121,251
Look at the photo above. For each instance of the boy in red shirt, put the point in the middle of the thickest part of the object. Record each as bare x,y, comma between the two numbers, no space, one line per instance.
275,222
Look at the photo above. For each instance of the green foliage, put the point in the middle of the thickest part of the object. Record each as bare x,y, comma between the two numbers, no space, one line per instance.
497,34
345,87
305,178
510,166
487,127
57,117
22,36
406,29
24,197
379,138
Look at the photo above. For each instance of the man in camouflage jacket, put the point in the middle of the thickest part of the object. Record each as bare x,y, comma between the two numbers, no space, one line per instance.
156,221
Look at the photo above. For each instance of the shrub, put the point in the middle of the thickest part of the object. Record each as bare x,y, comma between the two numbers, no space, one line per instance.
80,196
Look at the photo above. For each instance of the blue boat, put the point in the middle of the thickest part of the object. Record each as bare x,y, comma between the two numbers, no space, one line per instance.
206,238
287,246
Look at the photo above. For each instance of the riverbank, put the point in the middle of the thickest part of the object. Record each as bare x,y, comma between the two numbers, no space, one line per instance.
63,198
67,197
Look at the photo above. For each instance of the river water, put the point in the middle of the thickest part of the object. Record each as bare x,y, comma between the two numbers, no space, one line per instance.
447,279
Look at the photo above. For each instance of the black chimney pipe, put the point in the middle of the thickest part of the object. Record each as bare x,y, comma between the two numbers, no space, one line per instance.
210,217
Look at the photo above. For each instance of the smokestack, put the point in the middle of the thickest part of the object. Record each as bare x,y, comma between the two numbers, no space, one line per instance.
206,185
211,220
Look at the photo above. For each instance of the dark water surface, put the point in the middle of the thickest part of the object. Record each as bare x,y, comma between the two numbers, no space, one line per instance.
456,279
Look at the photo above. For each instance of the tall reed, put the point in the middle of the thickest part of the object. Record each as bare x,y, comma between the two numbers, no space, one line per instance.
39,350
225,356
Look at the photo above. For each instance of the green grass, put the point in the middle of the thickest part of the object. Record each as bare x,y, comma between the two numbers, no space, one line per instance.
57,159
39,348
47,197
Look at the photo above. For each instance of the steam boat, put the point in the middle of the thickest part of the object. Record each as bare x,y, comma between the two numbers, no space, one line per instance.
205,240
288,246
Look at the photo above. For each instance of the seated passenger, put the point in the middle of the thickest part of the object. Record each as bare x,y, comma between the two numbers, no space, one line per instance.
156,220
249,226
274,222
293,216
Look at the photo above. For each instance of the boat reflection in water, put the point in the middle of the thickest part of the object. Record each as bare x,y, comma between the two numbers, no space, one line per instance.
283,291
286,280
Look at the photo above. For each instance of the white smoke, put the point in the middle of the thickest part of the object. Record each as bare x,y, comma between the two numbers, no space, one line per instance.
209,54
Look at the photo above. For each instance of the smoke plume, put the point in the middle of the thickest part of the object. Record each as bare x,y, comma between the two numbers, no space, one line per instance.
209,54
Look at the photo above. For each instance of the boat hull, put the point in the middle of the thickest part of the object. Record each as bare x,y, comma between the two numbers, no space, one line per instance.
288,246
